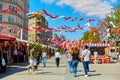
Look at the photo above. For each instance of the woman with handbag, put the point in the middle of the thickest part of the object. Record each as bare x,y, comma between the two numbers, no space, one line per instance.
85,58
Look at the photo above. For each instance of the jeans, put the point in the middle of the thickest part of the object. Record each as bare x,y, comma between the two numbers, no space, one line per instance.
86,66
74,66
44,60
69,64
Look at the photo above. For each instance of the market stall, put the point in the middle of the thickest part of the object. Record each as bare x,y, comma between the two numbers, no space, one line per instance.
103,52
4,50
4,37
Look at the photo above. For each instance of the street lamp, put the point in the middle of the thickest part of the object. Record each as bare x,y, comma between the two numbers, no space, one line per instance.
28,50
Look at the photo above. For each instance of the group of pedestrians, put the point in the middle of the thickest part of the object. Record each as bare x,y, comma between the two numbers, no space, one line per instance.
10,55
74,57
35,58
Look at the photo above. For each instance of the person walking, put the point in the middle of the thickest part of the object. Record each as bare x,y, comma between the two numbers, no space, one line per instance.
57,58
15,53
39,56
85,58
69,55
44,55
33,62
118,57
96,56
75,61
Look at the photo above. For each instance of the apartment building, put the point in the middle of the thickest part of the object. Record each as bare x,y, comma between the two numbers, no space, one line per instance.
36,19
13,22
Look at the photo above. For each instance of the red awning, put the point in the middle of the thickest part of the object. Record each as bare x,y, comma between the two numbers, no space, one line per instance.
4,37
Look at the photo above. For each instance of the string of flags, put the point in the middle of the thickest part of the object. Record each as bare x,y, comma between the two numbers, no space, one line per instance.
64,28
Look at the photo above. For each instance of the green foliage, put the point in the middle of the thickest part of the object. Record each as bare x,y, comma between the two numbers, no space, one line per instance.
114,17
85,36
91,36
47,49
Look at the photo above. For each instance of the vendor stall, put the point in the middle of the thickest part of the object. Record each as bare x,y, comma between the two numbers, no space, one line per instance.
103,52
4,51
4,37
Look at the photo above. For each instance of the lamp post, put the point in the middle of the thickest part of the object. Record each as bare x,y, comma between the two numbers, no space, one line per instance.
28,52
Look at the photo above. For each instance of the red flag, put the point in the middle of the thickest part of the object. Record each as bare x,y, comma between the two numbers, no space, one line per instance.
53,17
81,19
26,28
50,29
44,11
111,31
67,18
79,26
107,24
90,20
117,31
101,23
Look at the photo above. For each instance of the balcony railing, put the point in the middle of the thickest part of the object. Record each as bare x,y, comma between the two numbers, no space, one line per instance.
13,3
13,13
11,23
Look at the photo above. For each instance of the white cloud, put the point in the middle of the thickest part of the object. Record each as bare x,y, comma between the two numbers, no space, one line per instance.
48,1
89,7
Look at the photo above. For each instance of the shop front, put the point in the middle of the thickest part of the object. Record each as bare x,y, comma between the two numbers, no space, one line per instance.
4,49
103,52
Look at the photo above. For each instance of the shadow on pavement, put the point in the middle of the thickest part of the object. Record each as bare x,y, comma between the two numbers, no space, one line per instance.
79,70
94,75
92,70
12,70
44,73
89,75
54,66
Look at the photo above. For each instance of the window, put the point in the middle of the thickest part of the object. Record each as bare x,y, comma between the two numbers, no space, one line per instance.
1,6
10,19
12,8
0,17
13,1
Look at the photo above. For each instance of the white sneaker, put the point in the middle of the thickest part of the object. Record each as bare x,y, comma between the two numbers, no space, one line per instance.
86,75
89,73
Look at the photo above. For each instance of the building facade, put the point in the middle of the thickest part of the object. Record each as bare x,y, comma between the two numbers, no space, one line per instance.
37,20
13,22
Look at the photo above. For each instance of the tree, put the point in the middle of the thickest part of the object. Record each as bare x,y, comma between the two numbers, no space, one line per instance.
85,36
114,16
113,20
92,35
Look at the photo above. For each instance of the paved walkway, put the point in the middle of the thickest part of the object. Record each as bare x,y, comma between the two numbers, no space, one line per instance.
51,72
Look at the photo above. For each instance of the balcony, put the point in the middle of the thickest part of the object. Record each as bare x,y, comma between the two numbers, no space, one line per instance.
13,13
11,23
13,3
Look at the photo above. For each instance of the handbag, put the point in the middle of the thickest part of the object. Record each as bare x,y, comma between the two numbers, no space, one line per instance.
3,62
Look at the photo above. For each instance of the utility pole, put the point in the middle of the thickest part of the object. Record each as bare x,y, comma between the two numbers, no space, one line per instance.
21,35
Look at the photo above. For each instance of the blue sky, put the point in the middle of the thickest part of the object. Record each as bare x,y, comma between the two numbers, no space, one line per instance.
87,9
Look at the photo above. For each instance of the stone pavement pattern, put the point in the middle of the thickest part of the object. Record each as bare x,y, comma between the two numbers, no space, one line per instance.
51,72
